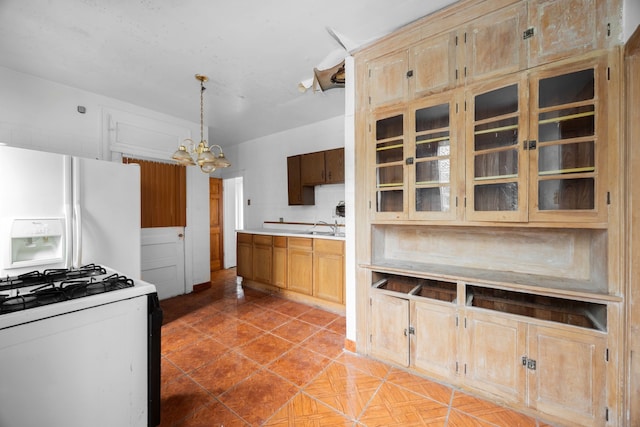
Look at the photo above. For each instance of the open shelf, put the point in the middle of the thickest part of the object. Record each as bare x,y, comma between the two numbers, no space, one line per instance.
571,312
415,286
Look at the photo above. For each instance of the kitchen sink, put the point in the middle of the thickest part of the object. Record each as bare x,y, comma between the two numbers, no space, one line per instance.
324,233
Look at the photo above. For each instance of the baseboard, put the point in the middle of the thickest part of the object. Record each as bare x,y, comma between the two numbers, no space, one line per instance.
201,287
350,345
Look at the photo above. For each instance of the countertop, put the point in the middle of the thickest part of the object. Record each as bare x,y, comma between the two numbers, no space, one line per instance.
316,233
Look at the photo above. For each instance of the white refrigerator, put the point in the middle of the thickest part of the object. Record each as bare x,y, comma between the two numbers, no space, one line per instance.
59,211
88,361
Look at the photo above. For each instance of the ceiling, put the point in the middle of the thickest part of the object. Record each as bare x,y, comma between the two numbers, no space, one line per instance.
146,52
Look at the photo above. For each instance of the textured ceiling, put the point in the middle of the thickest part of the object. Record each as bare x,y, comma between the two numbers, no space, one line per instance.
146,52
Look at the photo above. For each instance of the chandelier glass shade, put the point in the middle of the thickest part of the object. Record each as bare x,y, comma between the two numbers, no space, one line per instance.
204,157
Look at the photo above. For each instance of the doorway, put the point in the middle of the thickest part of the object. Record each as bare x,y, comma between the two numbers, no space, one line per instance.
234,217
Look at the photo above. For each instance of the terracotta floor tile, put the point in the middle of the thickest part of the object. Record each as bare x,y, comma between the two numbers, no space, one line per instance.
178,338
270,302
268,320
396,406
460,419
318,317
238,333
257,398
490,412
303,410
295,330
344,388
292,308
197,354
338,326
213,415
181,398
168,371
299,365
215,324
325,342
265,348
417,384
369,366
225,372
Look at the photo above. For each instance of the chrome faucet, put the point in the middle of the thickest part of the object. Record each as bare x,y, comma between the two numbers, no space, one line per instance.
334,227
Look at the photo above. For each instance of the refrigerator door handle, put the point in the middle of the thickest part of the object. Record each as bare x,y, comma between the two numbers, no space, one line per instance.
68,212
77,214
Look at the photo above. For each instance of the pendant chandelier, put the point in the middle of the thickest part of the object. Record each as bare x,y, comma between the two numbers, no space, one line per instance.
206,159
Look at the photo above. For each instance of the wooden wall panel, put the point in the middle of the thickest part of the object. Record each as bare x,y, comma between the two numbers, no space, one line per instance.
163,190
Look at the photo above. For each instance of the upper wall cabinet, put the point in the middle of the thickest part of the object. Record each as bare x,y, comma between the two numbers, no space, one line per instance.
536,147
562,28
323,167
521,36
494,45
417,160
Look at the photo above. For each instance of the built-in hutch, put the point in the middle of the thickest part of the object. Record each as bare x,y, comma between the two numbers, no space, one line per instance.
491,188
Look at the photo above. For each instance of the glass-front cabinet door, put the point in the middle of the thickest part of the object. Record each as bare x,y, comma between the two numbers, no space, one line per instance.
388,148
569,130
496,165
434,170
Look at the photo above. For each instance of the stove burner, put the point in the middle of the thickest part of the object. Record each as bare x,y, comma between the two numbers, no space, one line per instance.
58,285
21,302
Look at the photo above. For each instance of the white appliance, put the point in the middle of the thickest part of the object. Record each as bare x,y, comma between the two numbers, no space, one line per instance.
79,330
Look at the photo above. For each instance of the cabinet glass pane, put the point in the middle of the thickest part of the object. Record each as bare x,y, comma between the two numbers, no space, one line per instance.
567,88
496,164
566,123
390,151
432,117
502,133
389,176
497,102
435,199
566,194
566,158
389,201
389,128
434,171
432,145
496,197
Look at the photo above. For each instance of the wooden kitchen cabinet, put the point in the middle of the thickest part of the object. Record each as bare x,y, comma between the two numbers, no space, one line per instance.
540,154
334,166
298,194
564,28
280,261
481,38
323,167
262,258
390,328
494,346
244,256
328,270
567,375
300,265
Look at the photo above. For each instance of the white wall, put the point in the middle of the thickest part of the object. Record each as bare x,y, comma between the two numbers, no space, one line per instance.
40,114
262,163
631,16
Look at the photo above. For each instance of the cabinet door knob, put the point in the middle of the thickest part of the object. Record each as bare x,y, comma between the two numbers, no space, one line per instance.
181,235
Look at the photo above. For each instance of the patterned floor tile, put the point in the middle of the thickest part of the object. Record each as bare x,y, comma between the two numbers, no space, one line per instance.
257,398
395,406
181,398
305,411
197,354
369,366
343,388
417,384
490,412
326,343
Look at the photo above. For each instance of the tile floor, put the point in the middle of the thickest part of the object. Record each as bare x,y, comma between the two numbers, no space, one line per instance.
234,357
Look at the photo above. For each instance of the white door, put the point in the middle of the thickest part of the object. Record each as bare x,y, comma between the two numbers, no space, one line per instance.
163,260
